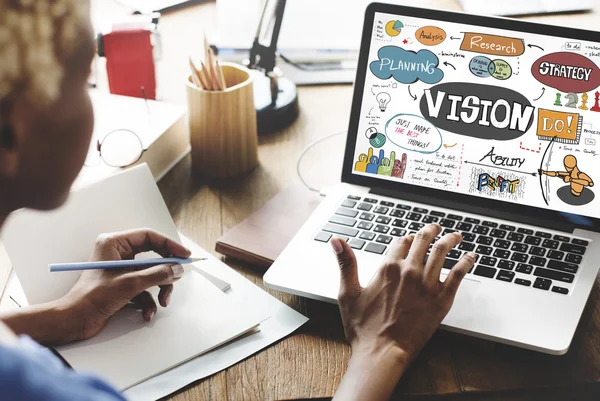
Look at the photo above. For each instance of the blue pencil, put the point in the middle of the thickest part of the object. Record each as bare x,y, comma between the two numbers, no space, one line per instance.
120,264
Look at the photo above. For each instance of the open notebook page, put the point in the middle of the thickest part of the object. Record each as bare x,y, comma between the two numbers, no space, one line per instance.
199,318
129,350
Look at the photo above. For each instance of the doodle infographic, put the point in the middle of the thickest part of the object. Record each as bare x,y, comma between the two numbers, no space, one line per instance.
412,132
578,182
567,72
476,110
488,113
406,66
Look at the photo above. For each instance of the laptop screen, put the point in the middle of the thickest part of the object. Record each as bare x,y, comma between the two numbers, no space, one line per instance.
484,112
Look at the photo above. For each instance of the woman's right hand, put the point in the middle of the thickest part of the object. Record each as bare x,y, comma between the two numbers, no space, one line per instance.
390,321
7,337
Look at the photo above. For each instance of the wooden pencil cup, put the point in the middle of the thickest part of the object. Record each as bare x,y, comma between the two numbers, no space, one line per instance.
223,131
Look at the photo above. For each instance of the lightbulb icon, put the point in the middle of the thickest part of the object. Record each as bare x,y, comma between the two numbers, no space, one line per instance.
383,99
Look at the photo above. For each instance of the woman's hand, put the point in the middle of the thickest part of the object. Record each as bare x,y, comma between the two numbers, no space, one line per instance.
98,294
388,322
7,337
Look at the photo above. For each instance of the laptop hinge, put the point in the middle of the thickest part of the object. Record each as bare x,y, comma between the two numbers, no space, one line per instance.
473,208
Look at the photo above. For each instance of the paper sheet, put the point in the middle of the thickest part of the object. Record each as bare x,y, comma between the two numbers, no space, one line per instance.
283,321
129,350
34,239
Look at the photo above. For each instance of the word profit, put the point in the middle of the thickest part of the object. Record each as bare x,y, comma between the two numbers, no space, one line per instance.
500,183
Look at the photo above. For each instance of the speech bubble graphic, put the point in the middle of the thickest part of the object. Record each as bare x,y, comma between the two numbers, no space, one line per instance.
492,44
483,67
407,67
430,35
479,111
502,70
567,72
411,132
564,127
480,66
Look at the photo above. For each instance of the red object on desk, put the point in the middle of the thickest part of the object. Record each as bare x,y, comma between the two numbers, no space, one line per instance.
130,63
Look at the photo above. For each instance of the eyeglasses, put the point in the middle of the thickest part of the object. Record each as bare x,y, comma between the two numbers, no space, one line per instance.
119,148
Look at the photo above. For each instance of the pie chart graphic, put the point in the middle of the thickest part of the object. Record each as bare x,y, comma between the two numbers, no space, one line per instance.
393,28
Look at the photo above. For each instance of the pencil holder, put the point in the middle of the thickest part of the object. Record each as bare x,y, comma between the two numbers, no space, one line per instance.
223,131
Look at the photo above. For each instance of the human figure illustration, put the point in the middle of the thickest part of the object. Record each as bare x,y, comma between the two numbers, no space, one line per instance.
387,165
578,180
400,167
375,162
363,160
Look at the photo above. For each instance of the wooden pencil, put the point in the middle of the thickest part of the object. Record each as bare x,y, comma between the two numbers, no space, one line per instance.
213,70
201,77
206,49
195,76
208,60
220,75
206,74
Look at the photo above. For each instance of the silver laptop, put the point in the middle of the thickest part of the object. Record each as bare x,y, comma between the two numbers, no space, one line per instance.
489,127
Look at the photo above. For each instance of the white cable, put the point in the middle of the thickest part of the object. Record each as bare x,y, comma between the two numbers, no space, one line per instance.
305,151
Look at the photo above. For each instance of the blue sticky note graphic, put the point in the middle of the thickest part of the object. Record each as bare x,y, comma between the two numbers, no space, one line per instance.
406,66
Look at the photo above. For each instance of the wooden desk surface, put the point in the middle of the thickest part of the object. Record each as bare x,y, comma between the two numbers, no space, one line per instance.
310,364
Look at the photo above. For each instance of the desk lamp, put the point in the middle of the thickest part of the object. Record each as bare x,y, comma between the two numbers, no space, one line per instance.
275,97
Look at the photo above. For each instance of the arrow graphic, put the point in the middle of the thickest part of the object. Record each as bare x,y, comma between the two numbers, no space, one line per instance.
447,64
372,91
411,95
450,146
371,110
543,91
532,46
453,38
542,165
501,168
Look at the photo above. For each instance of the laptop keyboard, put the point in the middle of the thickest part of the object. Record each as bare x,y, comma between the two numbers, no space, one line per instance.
517,255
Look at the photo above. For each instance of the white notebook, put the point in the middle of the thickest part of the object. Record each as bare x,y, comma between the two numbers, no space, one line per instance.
129,350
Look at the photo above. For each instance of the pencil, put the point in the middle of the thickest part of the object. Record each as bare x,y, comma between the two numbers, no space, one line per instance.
213,70
121,264
206,49
198,76
202,78
195,76
209,62
207,77
220,75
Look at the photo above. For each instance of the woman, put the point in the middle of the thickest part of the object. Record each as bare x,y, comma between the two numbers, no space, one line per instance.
46,123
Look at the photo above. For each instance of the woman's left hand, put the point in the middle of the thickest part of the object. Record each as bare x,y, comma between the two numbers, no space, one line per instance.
99,294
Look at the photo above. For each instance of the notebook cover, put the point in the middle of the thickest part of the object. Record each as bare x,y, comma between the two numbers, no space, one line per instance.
260,238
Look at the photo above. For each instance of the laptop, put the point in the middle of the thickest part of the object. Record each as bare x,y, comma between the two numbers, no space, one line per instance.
486,126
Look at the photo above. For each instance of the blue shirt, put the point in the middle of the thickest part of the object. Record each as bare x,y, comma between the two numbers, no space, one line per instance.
30,372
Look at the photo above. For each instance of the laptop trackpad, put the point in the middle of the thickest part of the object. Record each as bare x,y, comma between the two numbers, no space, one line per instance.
462,309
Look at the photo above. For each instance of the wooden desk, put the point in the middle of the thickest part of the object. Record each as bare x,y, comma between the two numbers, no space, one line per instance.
311,363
